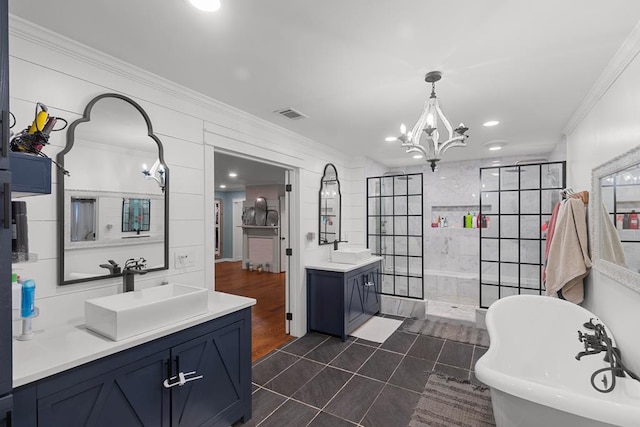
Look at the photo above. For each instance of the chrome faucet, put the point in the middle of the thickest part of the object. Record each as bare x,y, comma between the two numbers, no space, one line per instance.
132,267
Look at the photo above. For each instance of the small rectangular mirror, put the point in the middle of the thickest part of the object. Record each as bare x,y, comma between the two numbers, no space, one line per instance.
136,215
83,219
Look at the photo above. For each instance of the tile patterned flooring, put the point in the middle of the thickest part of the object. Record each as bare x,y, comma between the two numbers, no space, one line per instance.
318,380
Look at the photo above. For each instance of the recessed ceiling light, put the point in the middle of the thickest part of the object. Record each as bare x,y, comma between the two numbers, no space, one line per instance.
496,144
391,138
223,186
206,5
417,156
490,123
233,174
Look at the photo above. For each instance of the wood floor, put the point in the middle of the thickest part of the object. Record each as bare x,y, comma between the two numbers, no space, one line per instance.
268,322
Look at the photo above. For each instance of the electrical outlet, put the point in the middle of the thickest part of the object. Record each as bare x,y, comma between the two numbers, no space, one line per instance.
184,259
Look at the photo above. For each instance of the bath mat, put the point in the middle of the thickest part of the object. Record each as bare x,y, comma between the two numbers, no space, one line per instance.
446,403
450,331
377,329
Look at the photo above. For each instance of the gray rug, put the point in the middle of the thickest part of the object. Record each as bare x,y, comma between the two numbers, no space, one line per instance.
448,403
443,329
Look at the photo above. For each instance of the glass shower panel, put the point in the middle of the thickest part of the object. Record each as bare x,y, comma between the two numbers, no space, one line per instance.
373,187
530,226
509,250
414,186
415,287
415,225
488,295
490,203
509,178
415,205
509,274
489,272
401,245
400,205
489,179
489,249
509,202
530,202
549,200
530,276
400,225
415,266
529,177
401,287
509,226
552,175
400,185
415,246
399,232
386,186
530,251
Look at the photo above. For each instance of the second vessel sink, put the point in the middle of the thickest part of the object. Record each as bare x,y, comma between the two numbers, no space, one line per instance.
131,313
350,255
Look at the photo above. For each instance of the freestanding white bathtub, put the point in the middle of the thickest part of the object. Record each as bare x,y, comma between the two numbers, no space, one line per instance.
534,376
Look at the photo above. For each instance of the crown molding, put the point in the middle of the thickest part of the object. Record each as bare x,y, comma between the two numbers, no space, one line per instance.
620,61
63,45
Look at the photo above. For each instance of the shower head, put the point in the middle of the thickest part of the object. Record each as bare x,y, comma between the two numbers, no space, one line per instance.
400,174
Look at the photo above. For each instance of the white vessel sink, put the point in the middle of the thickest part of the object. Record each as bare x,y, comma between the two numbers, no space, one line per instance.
125,315
350,255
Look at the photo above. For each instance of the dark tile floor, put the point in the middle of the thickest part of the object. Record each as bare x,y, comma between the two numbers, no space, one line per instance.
318,380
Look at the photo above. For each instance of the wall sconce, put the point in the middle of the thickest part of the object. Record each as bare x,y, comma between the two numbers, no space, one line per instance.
156,173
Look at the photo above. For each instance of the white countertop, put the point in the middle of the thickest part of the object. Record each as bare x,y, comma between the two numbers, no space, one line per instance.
58,349
341,268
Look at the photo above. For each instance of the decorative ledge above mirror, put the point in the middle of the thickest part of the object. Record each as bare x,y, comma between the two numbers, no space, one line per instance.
614,218
330,206
111,207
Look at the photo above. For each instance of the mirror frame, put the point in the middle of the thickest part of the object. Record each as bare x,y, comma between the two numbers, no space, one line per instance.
322,179
86,117
616,272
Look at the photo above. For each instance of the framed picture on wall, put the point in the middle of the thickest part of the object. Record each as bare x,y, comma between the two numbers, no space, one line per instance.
218,228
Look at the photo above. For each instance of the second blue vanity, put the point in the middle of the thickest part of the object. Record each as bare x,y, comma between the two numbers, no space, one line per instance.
341,297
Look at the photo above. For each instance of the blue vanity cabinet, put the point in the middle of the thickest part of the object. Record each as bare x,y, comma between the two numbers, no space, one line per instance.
140,386
339,302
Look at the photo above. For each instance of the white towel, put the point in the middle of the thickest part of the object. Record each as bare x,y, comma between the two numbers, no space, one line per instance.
610,246
569,260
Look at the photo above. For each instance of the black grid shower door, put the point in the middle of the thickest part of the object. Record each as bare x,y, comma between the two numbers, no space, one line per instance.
517,202
395,230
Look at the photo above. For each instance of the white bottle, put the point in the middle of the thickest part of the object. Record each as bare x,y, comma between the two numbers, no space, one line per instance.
16,292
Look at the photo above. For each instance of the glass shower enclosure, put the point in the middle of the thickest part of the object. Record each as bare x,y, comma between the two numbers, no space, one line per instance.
395,232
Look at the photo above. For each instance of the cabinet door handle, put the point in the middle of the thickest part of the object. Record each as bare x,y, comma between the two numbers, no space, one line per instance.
180,379
7,205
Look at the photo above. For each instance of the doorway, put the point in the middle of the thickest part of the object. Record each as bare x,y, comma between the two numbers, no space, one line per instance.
251,263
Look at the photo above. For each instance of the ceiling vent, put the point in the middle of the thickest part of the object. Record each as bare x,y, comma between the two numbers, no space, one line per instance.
292,114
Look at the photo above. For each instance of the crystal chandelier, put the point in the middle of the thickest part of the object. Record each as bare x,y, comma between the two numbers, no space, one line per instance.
431,148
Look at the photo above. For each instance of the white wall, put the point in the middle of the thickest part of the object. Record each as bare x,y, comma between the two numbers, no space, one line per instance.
610,126
67,75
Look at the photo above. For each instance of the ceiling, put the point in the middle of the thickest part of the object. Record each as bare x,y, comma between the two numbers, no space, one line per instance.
356,67
249,173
